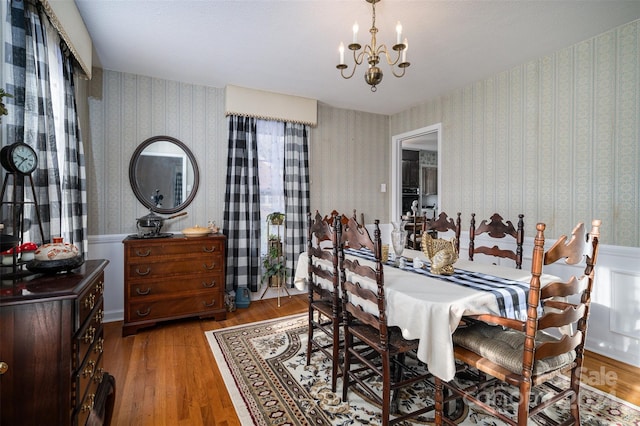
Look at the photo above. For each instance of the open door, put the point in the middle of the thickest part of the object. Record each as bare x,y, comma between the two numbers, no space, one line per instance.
427,138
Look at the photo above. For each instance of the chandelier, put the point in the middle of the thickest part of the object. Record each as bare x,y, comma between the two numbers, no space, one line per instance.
372,52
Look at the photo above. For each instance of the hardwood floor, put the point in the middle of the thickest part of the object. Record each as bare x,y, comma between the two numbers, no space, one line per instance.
167,375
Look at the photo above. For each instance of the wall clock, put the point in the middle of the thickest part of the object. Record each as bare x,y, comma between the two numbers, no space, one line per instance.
19,158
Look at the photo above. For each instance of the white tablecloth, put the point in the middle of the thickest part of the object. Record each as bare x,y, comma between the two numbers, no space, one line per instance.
430,309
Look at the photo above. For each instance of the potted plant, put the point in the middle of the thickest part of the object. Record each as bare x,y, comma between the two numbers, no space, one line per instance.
275,218
274,264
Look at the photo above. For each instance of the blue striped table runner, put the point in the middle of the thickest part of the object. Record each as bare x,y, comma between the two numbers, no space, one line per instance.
511,295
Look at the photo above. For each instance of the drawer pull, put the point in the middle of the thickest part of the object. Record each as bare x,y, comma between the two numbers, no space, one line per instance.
143,314
89,335
3,367
213,265
88,370
99,316
145,272
99,347
90,401
209,285
143,292
90,301
210,305
211,250
98,376
140,253
100,287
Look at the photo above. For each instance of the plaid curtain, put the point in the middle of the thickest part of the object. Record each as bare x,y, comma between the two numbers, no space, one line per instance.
242,205
73,218
177,191
296,191
30,120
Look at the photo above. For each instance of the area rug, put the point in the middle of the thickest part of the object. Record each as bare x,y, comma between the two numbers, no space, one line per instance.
264,368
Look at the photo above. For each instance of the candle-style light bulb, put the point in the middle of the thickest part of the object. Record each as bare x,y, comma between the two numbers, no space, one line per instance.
404,51
355,32
398,33
341,50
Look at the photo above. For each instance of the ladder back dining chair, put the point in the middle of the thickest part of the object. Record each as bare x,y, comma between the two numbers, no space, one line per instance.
444,224
324,300
371,347
414,226
529,354
497,228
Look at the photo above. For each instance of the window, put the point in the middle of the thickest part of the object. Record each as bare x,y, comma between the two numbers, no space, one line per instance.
270,141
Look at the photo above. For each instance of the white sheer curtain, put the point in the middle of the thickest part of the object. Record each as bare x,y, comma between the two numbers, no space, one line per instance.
270,140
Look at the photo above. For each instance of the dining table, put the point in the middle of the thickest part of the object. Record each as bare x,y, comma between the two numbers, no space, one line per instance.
429,307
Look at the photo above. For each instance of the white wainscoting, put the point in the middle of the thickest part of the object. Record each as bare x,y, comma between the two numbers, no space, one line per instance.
614,326
110,247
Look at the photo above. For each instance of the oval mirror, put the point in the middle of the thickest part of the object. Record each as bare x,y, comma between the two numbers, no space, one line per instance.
164,174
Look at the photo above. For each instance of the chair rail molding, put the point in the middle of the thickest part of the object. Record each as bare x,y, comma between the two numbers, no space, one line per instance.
614,326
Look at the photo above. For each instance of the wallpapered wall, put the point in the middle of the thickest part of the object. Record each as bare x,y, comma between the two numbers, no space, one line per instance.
349,159
127,109
557,139
348,151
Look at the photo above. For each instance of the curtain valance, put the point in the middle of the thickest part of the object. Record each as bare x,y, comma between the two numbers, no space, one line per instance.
245,102
66,19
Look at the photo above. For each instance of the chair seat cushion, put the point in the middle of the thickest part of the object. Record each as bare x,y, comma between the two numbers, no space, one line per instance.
505,347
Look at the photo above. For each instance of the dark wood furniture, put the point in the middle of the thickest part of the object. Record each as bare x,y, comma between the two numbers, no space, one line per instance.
413,227
171,278
497,228
380,350
444,224
51,345
324,303
531,352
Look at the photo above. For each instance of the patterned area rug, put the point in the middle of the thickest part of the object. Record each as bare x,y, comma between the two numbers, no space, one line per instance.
264,369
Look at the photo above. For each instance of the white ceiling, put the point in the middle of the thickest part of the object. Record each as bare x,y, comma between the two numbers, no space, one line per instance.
291,46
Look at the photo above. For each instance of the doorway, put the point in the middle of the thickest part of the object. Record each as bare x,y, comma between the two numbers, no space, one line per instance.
426,138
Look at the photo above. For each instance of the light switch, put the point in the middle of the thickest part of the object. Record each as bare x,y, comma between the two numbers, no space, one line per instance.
383,187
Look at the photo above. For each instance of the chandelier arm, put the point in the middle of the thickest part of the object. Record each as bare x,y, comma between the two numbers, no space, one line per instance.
383,49
353,71
403,68
359,57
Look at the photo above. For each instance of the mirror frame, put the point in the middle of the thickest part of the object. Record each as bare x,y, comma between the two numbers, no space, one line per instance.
144,199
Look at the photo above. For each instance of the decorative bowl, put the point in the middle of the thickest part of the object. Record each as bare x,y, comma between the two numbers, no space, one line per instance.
196,231
55,266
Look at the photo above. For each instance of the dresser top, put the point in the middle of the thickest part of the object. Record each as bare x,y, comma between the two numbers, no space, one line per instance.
171,238
50,286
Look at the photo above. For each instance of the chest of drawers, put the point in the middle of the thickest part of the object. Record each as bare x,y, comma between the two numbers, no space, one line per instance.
51,344
172,278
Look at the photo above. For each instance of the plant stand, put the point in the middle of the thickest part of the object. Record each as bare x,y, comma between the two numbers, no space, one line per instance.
280,279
